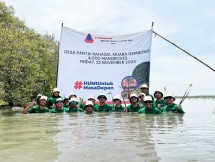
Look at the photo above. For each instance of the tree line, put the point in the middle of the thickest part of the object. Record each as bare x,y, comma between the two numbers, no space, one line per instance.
28,60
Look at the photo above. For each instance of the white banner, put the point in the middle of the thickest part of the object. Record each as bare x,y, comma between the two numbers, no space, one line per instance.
90,64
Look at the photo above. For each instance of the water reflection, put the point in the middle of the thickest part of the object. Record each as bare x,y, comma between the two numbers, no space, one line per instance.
109,136
27,137
138,132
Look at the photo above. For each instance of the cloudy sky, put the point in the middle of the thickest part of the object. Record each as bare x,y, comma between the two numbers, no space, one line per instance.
188,23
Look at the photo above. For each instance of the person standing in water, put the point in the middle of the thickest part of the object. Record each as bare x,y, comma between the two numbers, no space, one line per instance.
59,106
171,106
73,106
117,104
149,108
89,107
91,98
134,106
41,108
159,102
52,100
141,99
145,89
80,103
102,106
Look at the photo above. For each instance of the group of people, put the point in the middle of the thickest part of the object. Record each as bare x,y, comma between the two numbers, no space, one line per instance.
143,103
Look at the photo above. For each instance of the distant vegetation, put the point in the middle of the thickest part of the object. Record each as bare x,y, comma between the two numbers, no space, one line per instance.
198,97
28,60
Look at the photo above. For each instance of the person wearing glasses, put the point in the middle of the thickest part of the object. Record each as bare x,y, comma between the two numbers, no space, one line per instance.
89,107
159,102
141,99
59,106
117,104
73,106
102,106
134,106
80,103
149,108
145,89
171,106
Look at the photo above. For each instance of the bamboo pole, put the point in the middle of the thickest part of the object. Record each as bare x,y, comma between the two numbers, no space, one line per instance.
184,51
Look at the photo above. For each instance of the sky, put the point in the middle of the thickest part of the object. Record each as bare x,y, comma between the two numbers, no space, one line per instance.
188,23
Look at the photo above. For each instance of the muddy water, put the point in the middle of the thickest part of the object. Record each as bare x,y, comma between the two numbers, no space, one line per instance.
110,136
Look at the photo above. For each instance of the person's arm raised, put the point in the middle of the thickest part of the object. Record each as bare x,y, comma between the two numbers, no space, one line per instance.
25,111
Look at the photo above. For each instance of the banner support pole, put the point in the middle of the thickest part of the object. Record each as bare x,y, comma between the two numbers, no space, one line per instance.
152,26
56,84
184,51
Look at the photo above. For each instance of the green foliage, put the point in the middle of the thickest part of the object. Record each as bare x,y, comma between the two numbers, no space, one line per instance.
28,60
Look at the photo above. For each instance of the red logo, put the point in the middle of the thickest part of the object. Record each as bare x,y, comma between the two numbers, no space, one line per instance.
89,39
78,85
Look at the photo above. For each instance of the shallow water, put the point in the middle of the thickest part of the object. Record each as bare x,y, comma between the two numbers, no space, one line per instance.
110,136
